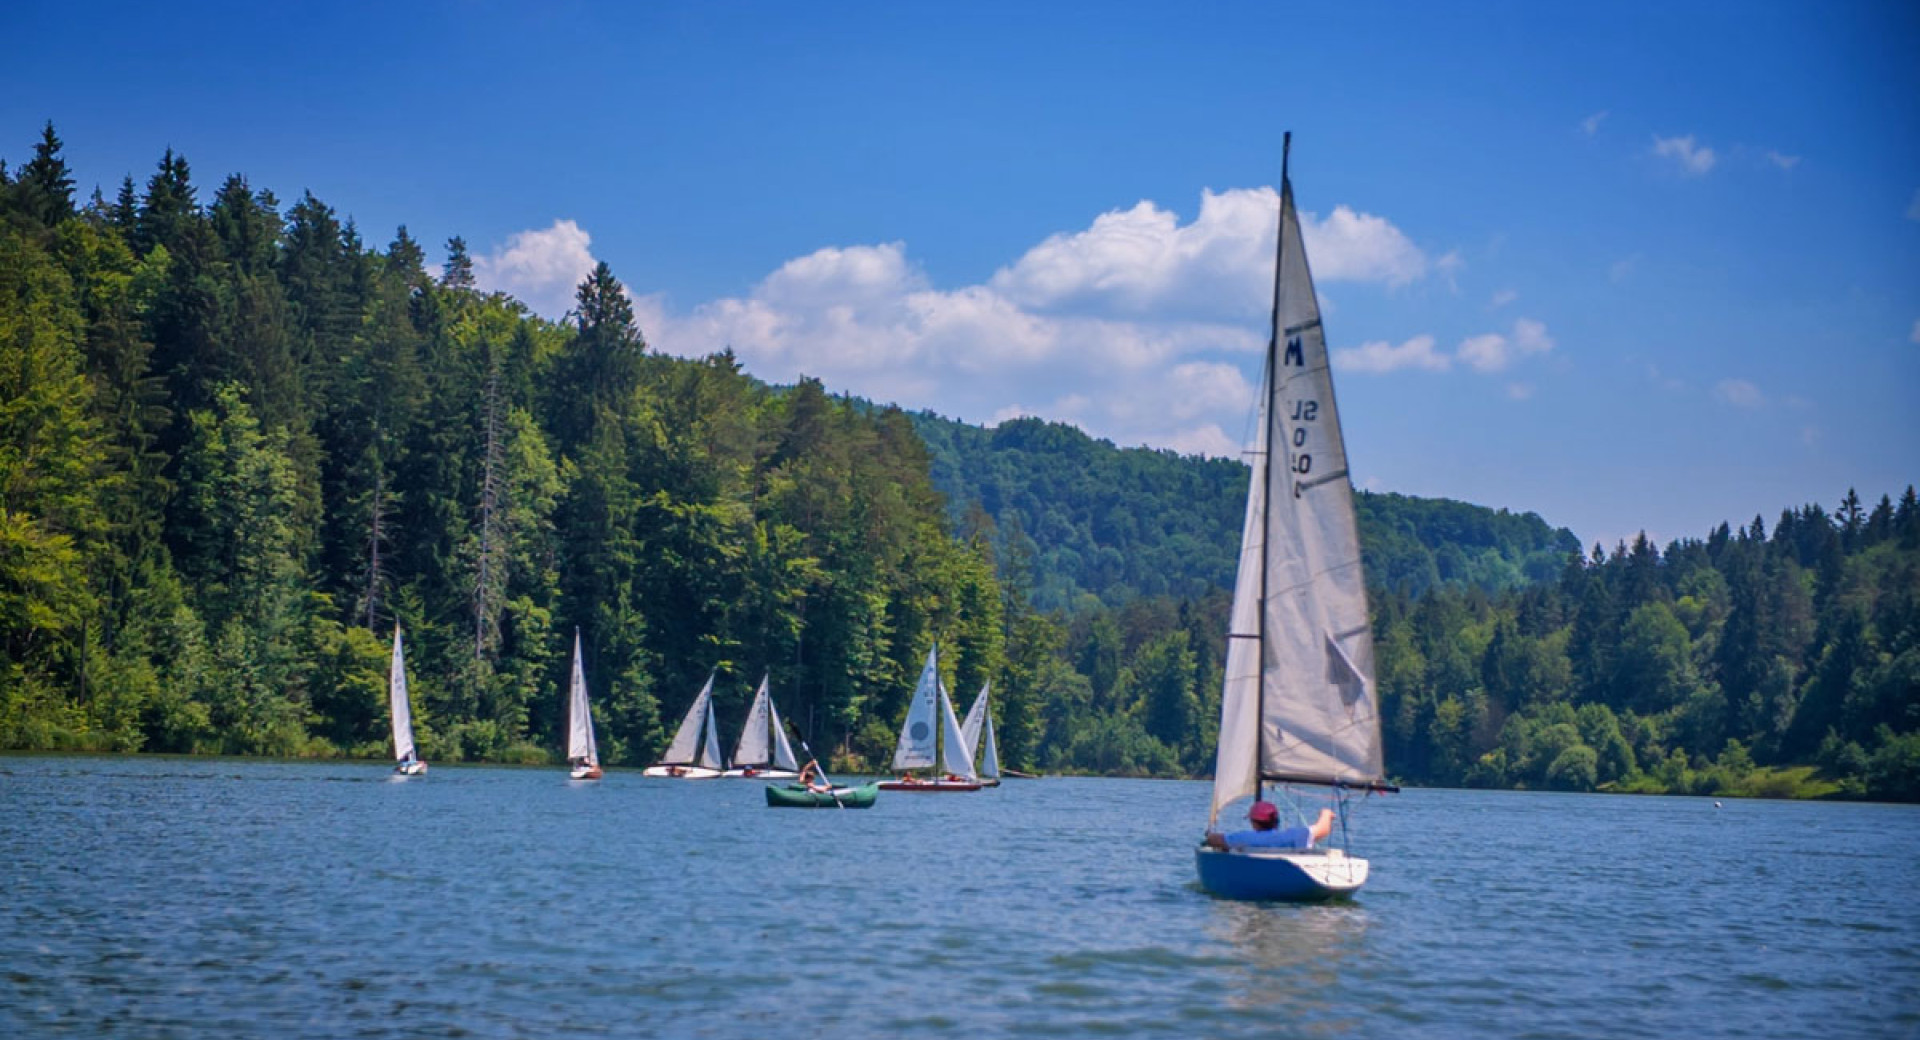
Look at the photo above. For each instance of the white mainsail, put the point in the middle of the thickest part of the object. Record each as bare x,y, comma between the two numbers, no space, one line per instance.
710,750
782,751
1299,702
403,748
990,749
752,749
686,739
956,755
917,735
580,746
977,730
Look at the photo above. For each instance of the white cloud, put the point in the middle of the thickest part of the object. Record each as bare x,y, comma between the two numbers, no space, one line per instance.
1143,261
1136,328
1494,352
1913,208
1502,298
539,268
1914,336
1450,266
1693,159
1379,356
1785,162
1740,393
1520,391
1622,269
1591,124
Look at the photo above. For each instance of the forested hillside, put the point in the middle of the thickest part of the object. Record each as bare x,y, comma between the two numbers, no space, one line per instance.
1676,670
1117,524
238,444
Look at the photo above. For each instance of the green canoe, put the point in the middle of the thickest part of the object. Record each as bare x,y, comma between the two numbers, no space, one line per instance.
796,796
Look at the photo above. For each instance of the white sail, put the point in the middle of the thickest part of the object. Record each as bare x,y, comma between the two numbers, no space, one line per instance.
710,750
990,749
403,748
956,755
580,746
1236,768
1320,717
782,751
970,726
917,735
752,749
686,739
1314,713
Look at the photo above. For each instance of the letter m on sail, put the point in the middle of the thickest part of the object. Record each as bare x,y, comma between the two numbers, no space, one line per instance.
1294,356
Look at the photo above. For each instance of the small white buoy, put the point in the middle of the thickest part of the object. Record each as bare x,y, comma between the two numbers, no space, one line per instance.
1716,805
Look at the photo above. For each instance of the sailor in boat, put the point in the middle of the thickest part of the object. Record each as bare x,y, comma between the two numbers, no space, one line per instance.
1266,832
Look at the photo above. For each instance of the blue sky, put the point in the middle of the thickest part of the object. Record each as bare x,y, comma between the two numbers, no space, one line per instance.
1628,266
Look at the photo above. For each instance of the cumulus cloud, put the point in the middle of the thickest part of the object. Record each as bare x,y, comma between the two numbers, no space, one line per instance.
1486,353
1502,298
1138,327
1591,124
539,268
1379,356
1785,162
1143,261
1740,393
1494,352
1693,159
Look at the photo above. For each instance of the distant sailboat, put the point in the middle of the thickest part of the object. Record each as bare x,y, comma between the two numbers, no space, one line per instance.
978,729
931,734
690,757
1299,705
406,756
763,750
582,755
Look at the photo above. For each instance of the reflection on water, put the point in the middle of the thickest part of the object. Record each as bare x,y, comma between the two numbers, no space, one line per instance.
1290,959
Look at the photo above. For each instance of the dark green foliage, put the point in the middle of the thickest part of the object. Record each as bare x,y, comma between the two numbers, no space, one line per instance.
237,447
1119,524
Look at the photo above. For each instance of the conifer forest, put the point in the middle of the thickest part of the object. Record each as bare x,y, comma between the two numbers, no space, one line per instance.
240,442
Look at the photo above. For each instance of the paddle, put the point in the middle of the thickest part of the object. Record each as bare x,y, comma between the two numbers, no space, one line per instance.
822,770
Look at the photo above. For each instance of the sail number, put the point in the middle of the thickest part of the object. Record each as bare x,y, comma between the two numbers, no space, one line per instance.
1301,462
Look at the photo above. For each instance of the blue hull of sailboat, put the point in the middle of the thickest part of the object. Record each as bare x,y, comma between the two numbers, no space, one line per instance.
1301,878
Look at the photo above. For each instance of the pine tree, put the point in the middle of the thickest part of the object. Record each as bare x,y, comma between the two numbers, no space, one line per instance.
459,270
44,189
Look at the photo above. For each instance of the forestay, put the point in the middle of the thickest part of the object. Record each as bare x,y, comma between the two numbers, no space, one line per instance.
918,741
1314,716
782,751
580,746
686,739
752,747
710,750
403,748
977,731
956,755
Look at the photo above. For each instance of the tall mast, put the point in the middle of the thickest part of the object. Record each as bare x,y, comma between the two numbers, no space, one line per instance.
1266,481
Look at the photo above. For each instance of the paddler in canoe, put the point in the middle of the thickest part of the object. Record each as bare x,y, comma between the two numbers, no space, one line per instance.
810,777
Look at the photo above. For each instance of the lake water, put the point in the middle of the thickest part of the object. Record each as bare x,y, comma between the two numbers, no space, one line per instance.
144,897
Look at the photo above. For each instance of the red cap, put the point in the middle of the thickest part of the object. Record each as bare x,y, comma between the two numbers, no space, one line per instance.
1263,812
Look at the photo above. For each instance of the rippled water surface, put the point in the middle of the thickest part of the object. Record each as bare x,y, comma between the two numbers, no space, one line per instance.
176,897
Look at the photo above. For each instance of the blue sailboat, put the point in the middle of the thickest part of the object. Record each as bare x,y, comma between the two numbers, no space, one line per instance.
1299,707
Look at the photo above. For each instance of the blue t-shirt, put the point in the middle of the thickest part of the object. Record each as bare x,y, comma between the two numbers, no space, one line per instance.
1281,838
